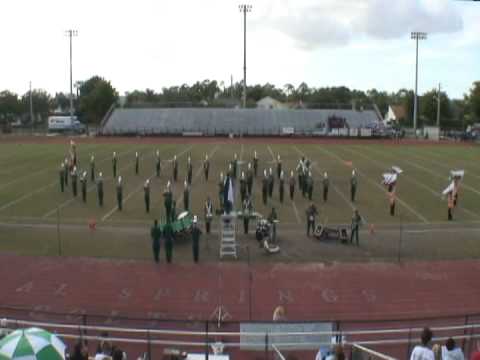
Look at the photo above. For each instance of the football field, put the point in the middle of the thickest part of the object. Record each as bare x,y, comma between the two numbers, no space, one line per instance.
36,218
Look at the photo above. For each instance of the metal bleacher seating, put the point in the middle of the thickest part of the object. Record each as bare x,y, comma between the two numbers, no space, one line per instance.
208,121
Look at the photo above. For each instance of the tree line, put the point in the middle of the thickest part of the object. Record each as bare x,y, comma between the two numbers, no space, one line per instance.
95,96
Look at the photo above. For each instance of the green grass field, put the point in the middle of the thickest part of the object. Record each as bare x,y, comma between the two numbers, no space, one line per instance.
36,218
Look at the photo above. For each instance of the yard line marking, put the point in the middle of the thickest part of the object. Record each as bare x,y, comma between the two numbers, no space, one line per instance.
337,190
29,195
412,210
296,212
271,153
28,176
436,194
115,208
90,188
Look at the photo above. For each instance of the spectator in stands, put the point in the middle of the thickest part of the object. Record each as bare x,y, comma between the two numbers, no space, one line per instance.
423,351
451,352
80,351
279,314
476,353
118,355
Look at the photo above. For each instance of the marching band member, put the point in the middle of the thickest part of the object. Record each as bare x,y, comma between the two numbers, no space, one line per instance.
235,166
157,163
206,167
119,193
311,213
356,222
100,189
390,180
83,184
353,185
146,193
196,232
221,190
189,171
114,164
255,163
281,186
247,210
249,179
168,202
309,185
243,187
92,168
186,195
291,182
208,211
265,187
67,170
73,152
137,163
175,168
271,182
62,176
326,184
74,176
279,166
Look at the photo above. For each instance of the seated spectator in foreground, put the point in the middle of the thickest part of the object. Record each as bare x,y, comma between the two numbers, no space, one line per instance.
118,355
80,351
451,352
476,353
104,351
423,351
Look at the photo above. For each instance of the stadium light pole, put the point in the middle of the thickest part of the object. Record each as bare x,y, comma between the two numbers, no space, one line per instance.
244,8
415,35
71,33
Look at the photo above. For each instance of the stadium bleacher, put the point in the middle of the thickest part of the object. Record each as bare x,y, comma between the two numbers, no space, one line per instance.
211,122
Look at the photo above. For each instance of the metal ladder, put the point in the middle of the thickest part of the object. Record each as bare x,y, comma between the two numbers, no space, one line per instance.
228,244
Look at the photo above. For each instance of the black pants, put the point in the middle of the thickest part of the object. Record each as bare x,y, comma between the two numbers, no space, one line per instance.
114,171
74,188
310,225
206,175
354,234
292,191
119,201
450,217
175,175
264,197
147,205
169,253
100,199
325,194
62,186
84,195
156,254
281,194
245,225
392,209
207,226
270,189
243,194
310,192
249,187
353,191
195,252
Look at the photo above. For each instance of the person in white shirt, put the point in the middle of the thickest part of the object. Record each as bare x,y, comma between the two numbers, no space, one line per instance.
423,351
451,352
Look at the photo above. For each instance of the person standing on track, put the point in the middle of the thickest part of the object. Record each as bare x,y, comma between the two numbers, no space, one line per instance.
155,234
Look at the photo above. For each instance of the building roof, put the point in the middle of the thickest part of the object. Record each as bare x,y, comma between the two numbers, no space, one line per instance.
399,111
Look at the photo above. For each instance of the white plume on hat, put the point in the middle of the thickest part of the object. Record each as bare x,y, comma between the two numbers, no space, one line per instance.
114,153
249,165
243,175
206,156
84,174
255,153
281,174
119,179
265,172
157,152
235,156
291,173
325,175
271,171
174,157
195,219
100,174
168,184
147,182
353,172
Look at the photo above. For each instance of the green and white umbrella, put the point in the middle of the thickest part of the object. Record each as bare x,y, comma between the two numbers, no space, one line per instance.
31,344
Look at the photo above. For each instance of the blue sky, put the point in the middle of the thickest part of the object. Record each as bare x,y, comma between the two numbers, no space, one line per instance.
149,43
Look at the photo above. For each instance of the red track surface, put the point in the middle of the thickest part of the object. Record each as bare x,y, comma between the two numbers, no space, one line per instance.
309,292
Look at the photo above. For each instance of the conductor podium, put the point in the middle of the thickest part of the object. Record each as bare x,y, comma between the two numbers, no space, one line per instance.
228,243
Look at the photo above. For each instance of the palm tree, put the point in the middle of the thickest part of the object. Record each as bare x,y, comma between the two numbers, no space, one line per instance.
289,89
